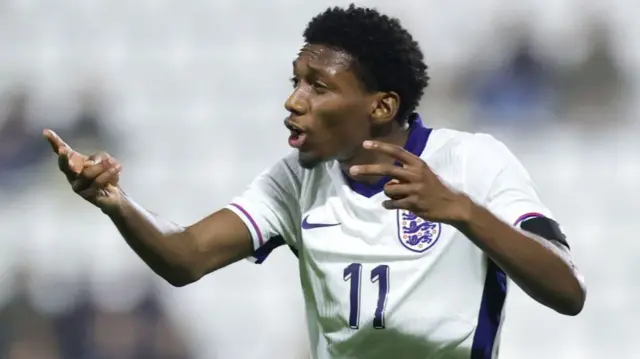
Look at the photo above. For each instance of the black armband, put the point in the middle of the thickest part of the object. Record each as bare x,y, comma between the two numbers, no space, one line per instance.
546,228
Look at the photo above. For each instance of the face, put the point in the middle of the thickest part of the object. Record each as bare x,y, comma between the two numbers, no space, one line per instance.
330,111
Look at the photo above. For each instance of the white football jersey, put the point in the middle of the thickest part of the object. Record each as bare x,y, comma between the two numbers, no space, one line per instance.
384,283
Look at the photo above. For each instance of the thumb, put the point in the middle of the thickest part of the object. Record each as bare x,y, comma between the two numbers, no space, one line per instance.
71,161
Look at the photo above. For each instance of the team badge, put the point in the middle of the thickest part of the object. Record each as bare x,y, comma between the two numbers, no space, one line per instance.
415,233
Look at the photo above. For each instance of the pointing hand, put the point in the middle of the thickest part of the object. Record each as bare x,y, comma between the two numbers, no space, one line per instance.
95,177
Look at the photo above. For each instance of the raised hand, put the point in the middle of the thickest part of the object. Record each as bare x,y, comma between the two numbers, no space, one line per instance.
414,186
95,178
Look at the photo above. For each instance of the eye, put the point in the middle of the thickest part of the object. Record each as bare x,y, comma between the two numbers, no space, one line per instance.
319,87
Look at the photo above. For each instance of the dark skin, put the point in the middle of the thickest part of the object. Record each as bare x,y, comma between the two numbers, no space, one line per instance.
330,104
542,268
342,121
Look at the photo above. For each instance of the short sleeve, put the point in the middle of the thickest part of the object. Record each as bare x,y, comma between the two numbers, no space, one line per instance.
510,192
269,207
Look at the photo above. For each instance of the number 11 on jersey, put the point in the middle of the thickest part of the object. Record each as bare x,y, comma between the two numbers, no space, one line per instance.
379,274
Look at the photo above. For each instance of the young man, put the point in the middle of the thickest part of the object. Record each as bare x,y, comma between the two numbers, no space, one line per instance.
403,233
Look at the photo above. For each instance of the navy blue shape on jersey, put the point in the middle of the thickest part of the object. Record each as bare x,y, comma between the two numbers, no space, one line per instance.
546,228
307,225
263,252
495,286
490,315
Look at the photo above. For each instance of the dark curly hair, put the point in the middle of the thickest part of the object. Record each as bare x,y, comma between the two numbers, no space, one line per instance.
386,56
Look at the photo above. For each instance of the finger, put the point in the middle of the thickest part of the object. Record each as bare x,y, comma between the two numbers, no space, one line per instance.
398,191
70,161
402,203
89,174
99,158
400,173
95,167
64,162
54,140
110,177
403,156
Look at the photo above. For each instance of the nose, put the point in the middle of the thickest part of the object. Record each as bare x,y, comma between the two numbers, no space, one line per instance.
296,103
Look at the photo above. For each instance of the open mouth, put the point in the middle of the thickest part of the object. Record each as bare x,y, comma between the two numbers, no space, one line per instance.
297,136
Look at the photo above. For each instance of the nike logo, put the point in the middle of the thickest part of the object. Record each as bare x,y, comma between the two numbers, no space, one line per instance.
307,225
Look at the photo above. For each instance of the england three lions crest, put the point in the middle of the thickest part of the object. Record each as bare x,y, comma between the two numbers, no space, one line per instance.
415,233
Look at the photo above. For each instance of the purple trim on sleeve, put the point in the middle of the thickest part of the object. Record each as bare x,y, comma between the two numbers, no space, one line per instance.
526,216
253,222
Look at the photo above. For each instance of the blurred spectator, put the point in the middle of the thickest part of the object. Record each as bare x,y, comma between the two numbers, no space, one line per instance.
87,332
516,91
173,97
30,334
20,147
143,333
596,88
88,132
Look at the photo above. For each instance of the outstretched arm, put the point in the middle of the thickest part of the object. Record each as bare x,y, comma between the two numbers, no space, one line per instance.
179,255
183,255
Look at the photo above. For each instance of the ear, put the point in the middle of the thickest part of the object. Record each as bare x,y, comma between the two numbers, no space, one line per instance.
384,107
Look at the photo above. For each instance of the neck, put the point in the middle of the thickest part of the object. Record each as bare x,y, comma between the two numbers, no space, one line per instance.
396,134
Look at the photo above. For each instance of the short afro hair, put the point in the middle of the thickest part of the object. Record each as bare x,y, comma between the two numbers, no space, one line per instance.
386,56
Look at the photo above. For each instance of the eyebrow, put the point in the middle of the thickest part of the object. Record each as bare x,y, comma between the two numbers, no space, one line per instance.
313,68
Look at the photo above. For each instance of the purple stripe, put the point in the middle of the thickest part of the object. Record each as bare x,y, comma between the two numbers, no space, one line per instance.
527,216
493,297
253,223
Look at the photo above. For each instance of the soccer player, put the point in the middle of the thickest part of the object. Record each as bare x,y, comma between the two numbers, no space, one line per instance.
404,234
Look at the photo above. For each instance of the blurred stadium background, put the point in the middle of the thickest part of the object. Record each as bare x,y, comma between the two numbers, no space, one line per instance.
189,96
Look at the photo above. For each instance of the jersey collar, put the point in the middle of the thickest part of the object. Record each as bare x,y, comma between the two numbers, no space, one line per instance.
416,143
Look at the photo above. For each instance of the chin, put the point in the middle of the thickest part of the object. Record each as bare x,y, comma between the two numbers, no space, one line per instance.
309,160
